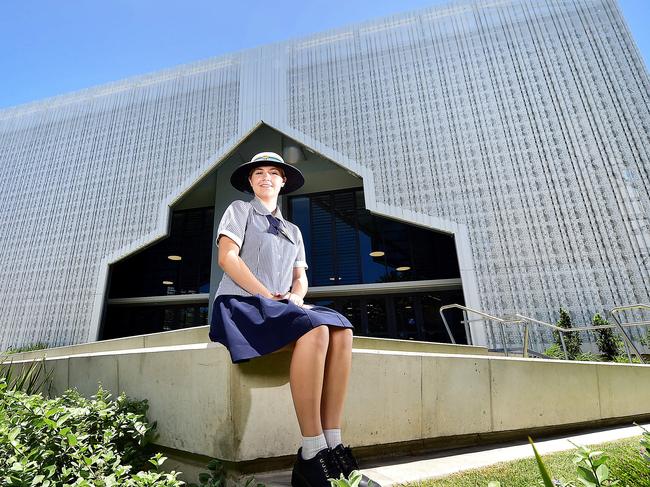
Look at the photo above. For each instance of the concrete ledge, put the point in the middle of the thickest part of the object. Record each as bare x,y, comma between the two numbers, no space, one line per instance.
199,334
206,406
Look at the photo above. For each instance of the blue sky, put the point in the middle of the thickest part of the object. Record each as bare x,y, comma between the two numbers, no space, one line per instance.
49,48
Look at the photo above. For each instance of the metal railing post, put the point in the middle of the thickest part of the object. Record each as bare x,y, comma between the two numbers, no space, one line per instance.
504,340
526,320
628,340
525,352
566,355
468,332
444,320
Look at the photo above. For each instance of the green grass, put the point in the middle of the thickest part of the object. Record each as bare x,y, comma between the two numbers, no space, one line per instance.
524,473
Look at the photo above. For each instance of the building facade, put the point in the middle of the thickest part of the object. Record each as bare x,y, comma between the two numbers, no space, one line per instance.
518,128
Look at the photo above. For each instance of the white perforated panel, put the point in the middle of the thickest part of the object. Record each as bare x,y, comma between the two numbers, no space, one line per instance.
526,122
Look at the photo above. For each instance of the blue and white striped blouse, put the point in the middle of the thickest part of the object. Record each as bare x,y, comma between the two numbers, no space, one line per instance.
269,245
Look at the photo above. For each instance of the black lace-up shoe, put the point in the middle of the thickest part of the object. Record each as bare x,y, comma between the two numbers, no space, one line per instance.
347,463
315,471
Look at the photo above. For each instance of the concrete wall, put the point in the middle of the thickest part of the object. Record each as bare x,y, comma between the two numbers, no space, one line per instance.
206,406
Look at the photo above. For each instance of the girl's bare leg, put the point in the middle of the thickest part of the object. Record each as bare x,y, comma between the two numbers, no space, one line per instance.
306,374
337,374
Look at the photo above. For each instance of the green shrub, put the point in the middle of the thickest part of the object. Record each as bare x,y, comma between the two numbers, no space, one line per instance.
572,340
609,343
623,359
216,477
588,357
554,351
27,348
645,340
70,440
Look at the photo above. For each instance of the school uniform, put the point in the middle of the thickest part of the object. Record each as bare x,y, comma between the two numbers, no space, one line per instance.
253,325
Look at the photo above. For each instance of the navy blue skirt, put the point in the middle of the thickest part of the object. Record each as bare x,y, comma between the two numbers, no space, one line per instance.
252,326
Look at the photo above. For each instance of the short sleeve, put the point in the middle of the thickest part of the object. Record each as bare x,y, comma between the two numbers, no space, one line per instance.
233,222
301,260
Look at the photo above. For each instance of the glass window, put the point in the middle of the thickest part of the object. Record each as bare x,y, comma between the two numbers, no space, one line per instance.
347,262
346,244
122,321
433,326
377,317
299,209
321,266
405,320
152,272
371,249
412,316
351,309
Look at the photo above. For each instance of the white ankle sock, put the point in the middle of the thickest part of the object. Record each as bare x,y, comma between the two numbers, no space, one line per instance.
311,445
333,437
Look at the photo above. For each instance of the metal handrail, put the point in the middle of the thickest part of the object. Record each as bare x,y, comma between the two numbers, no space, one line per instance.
559,329
501,321
526,320
630,343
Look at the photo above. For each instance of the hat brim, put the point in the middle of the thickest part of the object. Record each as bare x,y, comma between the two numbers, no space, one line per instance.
239,178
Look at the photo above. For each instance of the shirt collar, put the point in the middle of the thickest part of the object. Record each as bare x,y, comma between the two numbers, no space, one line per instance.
259,207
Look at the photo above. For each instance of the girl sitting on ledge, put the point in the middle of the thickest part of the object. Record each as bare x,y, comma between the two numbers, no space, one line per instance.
259,309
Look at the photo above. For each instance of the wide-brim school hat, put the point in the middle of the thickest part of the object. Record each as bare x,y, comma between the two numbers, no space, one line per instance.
239,178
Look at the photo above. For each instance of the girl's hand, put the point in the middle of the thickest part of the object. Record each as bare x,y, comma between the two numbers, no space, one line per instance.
294,298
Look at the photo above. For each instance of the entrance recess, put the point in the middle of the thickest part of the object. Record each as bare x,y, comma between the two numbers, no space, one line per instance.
389,277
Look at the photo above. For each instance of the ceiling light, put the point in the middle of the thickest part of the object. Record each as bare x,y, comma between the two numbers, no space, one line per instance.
403,268
174,257
377,253
168,283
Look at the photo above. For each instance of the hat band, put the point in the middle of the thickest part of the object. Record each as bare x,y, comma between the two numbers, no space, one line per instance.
264,159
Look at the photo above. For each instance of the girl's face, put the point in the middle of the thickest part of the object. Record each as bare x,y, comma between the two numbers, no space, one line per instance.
266,181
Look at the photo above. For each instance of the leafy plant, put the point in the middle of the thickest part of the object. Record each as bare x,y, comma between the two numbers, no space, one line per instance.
588,357
645,340
554,351
216,477
634,468
592,468
572,340
546,478
609,344
352,481
29,377
623,359
645,446
27,348
71,440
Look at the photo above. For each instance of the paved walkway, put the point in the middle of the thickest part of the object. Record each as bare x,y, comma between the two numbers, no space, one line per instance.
442,464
